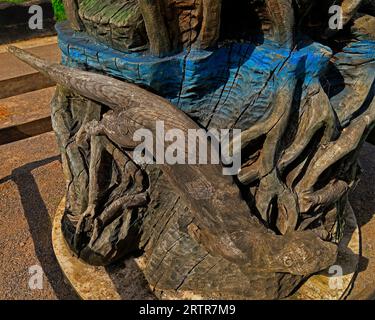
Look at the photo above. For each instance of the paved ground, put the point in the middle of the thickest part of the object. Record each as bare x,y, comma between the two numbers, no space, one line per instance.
363,203
17,77
31,180
27,44
25,107
31,186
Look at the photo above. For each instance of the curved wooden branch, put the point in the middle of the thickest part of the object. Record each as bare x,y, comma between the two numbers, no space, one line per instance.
329,154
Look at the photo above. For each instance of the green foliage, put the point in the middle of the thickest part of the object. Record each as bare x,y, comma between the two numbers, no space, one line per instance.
58,9
13,1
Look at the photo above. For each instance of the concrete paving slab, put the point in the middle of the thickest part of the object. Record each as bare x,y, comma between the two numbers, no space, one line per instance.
31,43
31,187
26,107
363,203
25,115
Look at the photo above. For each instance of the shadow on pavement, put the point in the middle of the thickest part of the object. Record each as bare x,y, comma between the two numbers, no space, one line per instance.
40,225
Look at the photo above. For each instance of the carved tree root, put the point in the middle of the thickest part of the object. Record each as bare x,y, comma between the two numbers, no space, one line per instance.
236,237
91,216
156,28
311,173
71,10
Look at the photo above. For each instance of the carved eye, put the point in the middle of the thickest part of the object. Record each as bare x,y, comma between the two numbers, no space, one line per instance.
288,261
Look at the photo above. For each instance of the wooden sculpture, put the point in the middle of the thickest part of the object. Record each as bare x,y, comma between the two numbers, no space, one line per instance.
302,94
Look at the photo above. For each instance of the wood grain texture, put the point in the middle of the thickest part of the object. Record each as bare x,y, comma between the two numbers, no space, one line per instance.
211,23
71,10
235,239
305,110
118,24
156,27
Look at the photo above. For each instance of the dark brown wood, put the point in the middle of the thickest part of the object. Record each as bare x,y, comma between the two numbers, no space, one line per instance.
156,27
210,30
257,234
281,14
71,10
231,239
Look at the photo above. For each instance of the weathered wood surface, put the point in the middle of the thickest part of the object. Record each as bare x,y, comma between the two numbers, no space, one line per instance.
126,281
140,109
229,87
156,27
210,30
71,10
170,26
305,110
364,27
115,23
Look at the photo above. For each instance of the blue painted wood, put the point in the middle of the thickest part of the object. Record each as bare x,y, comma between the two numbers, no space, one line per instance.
232,86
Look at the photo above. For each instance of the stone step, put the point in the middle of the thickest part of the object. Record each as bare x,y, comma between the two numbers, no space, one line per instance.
25,115
17,78
31,43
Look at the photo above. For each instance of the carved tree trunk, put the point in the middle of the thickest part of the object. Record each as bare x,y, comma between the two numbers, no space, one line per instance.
301,94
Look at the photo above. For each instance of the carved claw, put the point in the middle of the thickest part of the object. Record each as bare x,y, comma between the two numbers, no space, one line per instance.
89,129
114,210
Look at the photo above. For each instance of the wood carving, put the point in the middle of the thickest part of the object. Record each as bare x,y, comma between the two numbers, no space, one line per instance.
71,9
302,94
